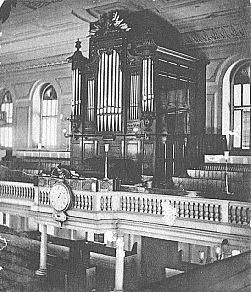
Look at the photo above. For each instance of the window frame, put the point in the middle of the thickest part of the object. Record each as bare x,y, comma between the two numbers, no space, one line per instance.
8,125
51,113
241,108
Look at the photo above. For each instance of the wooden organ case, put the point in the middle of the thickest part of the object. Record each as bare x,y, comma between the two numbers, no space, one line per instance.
138,93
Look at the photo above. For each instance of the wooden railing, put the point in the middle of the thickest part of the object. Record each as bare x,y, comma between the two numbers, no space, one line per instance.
187,207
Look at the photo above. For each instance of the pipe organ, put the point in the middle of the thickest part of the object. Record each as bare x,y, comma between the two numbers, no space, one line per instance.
138,92
109,97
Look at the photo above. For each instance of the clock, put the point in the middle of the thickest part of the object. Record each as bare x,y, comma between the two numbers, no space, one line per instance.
60,196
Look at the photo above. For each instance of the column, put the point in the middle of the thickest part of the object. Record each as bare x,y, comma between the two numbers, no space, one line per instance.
119,265
190,252
209,258
43,252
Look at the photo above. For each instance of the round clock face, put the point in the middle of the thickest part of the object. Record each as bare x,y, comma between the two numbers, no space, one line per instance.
60,197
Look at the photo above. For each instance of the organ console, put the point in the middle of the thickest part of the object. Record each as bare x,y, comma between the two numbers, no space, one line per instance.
137,76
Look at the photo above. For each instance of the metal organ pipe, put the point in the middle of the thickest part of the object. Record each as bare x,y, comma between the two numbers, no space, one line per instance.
110,82
147,86
76,89
134,97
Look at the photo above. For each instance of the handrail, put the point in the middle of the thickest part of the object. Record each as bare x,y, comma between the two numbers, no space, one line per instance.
199,208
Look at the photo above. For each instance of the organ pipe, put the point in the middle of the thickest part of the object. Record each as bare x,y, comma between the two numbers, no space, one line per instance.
110,86
134,97
147,86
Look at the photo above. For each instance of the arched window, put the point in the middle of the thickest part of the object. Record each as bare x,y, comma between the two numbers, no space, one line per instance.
49,111
241,108
6,120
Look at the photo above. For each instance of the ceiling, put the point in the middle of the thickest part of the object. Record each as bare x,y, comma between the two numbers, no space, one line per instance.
201,23
185,14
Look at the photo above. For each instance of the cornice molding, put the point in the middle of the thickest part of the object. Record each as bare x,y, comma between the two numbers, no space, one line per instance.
217,34
34,64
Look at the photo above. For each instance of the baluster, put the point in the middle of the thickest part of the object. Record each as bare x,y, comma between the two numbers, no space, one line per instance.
157,206
196,210
211,212
102,203
216,212
186,209
48,198
126,203
110,203
44,198
243,216
91,203
153,203
76,201
205,211
133,204
201,213
144,205
248,212
191,210
88,205
106,203
182,210
148,206
122,203
130,203
238,215
84,202
233,214
81,202
139,205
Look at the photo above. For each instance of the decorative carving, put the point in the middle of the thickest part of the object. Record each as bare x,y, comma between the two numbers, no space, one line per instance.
148,118
35,4
108,23
216,34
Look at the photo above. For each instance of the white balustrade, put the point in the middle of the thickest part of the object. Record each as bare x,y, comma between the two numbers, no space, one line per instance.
198,208
17,190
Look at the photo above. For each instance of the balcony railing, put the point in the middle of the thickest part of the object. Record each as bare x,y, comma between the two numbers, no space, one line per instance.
197,208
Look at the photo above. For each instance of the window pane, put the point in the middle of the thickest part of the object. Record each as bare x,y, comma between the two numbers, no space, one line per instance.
237,128
6,128
49,117
246,94
237,95
246,129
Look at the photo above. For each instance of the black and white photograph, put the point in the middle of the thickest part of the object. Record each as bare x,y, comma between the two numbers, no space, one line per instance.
125,146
